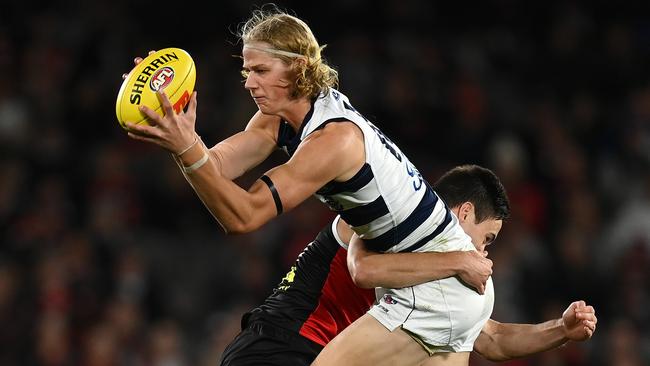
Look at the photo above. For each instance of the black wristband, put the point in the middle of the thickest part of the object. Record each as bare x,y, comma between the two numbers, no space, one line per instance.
274,192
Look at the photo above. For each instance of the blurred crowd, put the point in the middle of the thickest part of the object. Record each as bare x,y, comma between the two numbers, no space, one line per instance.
108,258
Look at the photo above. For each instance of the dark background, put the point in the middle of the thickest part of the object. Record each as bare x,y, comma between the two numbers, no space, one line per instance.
108,258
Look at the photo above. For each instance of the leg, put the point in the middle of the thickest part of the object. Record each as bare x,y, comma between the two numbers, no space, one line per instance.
447,359
367,342
263,345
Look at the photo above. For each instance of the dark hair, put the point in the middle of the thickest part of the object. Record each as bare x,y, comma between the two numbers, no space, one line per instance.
478,185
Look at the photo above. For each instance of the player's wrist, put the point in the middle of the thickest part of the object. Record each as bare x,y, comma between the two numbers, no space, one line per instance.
197,164
194,157
188,146
564,329
460,264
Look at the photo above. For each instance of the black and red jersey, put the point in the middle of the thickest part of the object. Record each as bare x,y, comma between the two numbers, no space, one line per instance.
317,298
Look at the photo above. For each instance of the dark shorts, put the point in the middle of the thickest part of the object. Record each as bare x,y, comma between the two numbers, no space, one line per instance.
262,344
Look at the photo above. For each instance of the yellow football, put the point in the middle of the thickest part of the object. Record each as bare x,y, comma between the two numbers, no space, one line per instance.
171,69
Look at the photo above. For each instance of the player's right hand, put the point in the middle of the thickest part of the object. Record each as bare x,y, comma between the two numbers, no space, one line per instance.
477,269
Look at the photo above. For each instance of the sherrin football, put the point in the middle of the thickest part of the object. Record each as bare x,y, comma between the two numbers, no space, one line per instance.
171,69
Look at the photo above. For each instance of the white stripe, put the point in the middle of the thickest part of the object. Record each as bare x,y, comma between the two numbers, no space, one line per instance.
336,232
274,51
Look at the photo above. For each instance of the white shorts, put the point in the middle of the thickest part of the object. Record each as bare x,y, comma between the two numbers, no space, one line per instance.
446,313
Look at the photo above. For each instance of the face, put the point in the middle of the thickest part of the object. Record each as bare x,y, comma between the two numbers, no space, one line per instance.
267,79
483,233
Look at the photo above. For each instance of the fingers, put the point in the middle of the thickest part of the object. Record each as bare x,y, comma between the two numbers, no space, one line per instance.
589,324
587,310
481,290
142,130
166,104
191,109
136,61
587,317
140,137
589,328
154,117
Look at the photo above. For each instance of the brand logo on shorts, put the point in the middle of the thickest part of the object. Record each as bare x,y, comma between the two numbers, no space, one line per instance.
161,78
389,300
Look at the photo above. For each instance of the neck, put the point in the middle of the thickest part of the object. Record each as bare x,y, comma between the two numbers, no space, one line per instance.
295,112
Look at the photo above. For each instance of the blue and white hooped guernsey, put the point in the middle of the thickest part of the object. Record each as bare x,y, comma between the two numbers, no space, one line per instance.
387,202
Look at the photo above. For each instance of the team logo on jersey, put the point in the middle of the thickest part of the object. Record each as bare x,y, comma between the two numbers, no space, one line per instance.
287,281
389,300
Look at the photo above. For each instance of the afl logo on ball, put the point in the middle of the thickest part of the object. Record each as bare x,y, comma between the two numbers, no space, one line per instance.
161,78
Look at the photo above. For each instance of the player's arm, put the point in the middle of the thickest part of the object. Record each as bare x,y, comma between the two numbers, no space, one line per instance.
505,341
370,269
331,153
243,151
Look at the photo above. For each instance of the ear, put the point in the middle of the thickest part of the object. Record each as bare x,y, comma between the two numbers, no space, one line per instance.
298,64
465,211
300,61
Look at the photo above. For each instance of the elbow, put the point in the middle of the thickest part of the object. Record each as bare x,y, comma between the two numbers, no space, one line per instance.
490,349
493,355
362,276
234,231
238,228
497,357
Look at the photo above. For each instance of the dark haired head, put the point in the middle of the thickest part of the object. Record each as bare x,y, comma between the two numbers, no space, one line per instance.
478,185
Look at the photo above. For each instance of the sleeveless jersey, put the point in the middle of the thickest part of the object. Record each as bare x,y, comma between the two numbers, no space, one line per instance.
387,203
317,298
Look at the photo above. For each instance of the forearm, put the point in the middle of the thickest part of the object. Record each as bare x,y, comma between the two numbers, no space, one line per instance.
241,152
402,269
508,341
232,206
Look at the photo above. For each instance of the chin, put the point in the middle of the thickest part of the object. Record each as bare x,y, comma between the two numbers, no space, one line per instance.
265,110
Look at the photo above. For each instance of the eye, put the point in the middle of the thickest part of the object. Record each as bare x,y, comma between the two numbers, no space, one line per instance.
245,73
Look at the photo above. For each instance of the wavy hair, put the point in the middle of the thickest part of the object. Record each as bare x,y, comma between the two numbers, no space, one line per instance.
288,33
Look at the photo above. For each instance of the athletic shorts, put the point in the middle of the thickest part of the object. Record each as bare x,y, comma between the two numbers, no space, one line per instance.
263,344
444,315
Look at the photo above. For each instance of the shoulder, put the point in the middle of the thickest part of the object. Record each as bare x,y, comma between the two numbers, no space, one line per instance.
264,123
260,120
340,134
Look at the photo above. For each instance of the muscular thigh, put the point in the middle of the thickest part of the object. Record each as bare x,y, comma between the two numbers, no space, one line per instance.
367,342
447,359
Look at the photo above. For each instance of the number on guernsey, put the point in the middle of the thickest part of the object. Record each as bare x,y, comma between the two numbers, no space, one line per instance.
384,140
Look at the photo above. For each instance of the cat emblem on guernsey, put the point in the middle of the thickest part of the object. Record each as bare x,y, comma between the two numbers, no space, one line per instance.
161,78
389,300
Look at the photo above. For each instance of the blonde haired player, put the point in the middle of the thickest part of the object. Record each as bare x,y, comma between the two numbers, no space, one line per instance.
335,154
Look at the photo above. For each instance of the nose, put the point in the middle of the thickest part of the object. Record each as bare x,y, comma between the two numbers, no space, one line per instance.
250,83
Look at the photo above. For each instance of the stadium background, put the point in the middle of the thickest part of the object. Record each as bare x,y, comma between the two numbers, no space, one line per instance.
108,258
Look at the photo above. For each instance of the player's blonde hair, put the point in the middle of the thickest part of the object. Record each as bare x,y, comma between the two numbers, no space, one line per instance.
294,39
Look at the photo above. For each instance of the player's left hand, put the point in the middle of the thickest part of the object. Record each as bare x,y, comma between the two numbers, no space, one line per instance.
173,131
579,321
